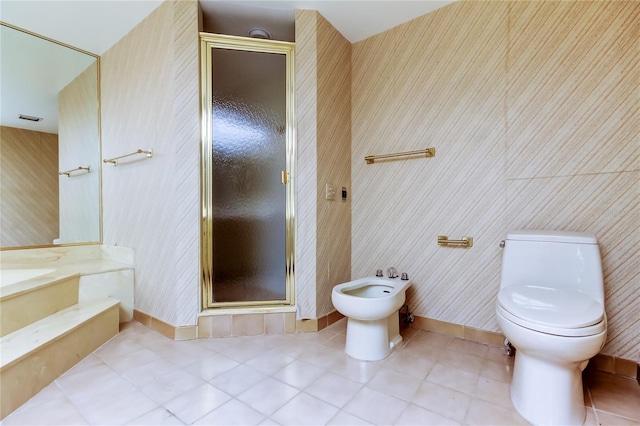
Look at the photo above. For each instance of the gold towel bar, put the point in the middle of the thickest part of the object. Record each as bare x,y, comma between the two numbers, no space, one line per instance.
466,242
114,160
429,152
79,168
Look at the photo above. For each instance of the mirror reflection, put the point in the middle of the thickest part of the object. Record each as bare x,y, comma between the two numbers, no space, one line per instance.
49,141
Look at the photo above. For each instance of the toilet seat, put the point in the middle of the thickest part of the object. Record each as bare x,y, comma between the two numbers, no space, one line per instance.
552,310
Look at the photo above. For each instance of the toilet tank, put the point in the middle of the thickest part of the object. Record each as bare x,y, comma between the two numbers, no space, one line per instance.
556,259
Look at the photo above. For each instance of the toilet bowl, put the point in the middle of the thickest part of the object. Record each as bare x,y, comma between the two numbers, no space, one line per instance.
551,308
371,306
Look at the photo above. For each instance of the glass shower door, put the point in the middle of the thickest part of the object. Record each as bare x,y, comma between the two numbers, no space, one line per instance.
248,174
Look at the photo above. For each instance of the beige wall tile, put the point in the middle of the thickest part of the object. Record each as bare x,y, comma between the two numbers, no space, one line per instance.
306,180
163,328
572,72
484,336
221,326
333,245
289,322
505,110
79,144
626,367
433,82
307,325
156,64
602,363
188,332
323,84
205,327
443,327
274,323
248,325
142,318
333,317
29,166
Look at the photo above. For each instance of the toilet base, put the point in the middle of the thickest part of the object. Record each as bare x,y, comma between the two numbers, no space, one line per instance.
545,393
372,340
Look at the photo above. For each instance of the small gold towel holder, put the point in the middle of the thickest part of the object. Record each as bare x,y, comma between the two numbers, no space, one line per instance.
464,242
114,160
427,153
70,173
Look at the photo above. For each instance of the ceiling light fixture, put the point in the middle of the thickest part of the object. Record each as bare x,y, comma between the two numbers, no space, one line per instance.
29,117
259,33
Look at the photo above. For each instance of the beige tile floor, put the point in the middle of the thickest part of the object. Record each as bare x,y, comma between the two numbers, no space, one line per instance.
143,378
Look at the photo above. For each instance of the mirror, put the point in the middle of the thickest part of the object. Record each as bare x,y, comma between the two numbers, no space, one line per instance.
50,142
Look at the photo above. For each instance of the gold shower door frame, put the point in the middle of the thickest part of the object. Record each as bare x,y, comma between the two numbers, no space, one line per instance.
208,42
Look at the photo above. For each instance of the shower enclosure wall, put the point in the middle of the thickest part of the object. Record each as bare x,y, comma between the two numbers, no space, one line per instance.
247,172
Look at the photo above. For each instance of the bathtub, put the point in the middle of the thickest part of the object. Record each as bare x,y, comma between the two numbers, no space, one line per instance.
101,271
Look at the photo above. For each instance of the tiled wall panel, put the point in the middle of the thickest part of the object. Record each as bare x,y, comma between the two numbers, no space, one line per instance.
150,99
28,187
533,110
306,179
186,110
323,108
573,88
79,145
334,162
573,138
441,82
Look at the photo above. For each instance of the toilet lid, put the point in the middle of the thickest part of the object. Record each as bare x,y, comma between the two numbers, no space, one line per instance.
551,307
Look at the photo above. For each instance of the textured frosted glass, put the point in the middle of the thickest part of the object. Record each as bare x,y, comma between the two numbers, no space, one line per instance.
249,117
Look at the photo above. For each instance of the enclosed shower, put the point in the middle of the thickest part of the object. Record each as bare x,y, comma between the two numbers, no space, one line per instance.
247,172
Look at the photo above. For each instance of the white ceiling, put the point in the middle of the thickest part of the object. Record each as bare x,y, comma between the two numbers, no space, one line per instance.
96,25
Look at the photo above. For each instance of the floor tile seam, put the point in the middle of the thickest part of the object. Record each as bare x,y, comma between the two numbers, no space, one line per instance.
362,386
461,422
107,362
402,398
263,380
593,407
617,414
340,410
457,390
467,412
264,417
103,362
64,394
165,407
376,390
272,376
277,409
615,389
426,409
84,416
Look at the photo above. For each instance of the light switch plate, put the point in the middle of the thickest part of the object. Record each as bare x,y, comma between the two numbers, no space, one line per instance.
330,192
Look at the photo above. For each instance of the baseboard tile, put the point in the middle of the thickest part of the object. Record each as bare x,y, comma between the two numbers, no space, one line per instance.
167,330
613,365
311,325
253,323
600,362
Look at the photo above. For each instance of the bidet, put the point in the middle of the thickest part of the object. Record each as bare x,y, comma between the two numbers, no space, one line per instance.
371,306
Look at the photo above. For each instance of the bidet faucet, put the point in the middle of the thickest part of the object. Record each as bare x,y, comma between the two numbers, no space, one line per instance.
392,272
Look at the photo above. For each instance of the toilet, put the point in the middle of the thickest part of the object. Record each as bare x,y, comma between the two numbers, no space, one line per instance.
551,308
371,306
